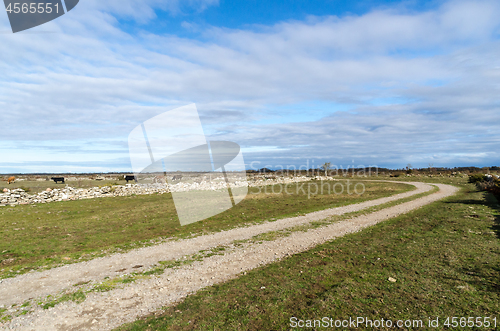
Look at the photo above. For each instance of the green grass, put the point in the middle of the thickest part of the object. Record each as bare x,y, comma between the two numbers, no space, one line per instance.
46,235
445,258
111,284
78,297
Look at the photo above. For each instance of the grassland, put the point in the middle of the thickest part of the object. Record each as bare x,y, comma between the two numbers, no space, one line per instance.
46,235
442,260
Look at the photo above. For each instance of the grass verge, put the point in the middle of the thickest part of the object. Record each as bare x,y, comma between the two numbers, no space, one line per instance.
441,260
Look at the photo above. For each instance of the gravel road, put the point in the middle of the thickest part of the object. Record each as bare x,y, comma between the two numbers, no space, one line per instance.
107,310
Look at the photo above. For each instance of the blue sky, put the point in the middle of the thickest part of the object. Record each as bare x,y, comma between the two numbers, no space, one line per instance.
254,13
382,83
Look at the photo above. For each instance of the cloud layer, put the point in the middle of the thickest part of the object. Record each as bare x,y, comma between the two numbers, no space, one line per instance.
414,87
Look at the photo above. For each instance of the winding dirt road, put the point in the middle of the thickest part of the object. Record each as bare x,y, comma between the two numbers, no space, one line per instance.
107,310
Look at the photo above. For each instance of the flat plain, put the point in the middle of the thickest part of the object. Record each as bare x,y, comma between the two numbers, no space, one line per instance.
441,260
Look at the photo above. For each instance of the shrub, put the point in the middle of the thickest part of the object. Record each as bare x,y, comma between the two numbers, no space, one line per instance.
486,183
494,187
477,178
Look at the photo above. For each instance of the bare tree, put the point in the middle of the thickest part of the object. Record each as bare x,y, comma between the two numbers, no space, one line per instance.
326,166
431,166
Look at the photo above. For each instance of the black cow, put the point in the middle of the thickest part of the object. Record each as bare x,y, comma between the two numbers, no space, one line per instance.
127,178
58,179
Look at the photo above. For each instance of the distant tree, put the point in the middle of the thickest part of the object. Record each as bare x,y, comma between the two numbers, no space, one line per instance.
326,166
409,168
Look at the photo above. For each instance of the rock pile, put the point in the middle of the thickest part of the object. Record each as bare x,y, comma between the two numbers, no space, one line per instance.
14,197
20,197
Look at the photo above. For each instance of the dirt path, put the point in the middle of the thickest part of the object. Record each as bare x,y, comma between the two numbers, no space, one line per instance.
104,311
38,284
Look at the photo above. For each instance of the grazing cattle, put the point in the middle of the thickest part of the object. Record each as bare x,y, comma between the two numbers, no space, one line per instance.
11,180
129,177
58,179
